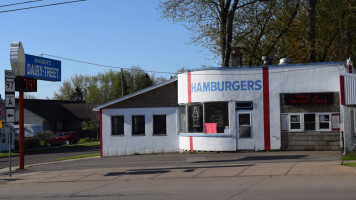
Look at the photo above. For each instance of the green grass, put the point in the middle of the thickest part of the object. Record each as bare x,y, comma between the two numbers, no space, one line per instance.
5,155
78,157
350,164
350,156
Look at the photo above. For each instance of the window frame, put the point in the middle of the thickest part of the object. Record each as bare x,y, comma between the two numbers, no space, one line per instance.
203,105
123,125
301,122
318,122
133,133
153,125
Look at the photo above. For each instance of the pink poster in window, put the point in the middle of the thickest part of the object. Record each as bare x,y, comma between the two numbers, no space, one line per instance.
210,127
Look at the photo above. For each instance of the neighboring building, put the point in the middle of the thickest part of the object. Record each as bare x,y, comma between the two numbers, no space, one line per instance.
274,107
56,115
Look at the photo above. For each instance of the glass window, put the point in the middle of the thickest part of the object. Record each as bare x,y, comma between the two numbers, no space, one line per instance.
183,119
159,125
324,122
138,125
295,124
195,117
309,122
244,125
217,113
117,125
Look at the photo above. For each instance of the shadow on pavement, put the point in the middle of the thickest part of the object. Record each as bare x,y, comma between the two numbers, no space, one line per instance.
258,158
166,170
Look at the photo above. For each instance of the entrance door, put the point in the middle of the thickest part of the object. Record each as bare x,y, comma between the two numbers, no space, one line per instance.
244,127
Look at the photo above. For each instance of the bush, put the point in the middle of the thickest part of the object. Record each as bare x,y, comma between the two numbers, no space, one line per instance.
47,136
29,143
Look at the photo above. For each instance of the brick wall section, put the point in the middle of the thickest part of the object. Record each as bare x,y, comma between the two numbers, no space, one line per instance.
311,141
164,96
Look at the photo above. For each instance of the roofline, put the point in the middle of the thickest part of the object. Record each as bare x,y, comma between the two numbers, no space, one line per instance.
98,108
261,66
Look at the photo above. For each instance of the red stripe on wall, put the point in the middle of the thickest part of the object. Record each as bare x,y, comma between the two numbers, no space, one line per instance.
189,87
342,91
266,109
350,69
191,143
101,133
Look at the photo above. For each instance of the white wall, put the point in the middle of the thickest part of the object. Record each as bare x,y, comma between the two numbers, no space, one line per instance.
282,79
298,79
128,144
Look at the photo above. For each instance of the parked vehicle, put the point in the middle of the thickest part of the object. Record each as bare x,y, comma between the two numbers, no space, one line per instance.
70,137
30,130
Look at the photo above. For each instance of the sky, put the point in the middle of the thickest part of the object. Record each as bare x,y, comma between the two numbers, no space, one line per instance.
119,33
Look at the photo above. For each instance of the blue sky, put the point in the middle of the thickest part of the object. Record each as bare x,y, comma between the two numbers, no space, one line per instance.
121,33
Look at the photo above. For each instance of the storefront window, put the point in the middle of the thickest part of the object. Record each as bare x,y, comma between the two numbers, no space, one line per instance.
217,113
309,122
195,117
183,119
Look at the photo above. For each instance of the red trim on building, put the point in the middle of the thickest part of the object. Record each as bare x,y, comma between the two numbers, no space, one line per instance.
350,69
266,109
189,87
342,91
191,143
101,132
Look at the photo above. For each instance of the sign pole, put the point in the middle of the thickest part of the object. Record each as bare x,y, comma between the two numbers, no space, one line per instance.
9,143
21,134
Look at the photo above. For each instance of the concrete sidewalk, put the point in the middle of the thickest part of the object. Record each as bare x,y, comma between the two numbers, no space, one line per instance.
186,171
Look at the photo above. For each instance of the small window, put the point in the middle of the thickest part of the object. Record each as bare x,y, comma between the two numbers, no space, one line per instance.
159,125
244,125
248,105
295,122
324,122
309,122
117,125
183,119
138,125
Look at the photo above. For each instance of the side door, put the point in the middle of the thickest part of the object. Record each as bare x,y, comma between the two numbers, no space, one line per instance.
244,128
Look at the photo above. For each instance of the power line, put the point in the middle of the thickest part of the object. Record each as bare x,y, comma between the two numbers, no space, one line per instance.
101,65
41,6
14,4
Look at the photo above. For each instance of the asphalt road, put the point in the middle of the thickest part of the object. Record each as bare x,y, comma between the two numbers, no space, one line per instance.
50,156
310,175
185,159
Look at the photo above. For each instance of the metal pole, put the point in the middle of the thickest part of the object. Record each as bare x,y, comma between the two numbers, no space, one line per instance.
9,143
122,83
21,125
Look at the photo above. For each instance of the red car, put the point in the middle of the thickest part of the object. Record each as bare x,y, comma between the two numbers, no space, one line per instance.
66,138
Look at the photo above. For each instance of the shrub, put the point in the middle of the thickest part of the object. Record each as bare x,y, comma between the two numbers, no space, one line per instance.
29,143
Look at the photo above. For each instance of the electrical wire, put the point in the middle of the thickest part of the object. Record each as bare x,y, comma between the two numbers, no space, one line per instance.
14,4
41,6
210,74
101,65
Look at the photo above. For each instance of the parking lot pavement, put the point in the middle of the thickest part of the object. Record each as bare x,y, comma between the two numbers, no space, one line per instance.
184,166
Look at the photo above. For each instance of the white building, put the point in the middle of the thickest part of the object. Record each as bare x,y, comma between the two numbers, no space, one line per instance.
280,107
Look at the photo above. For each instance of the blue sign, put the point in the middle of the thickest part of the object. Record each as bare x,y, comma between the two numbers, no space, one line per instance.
42,68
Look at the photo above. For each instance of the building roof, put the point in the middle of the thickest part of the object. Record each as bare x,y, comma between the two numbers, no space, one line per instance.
57,109
135,94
